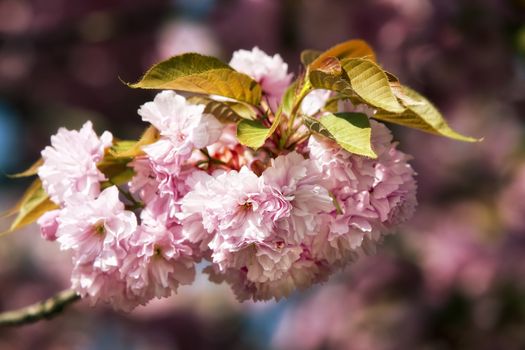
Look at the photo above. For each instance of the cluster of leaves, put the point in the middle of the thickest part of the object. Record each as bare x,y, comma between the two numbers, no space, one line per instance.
348,69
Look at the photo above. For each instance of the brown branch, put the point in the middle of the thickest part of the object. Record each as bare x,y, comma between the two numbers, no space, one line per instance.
45,309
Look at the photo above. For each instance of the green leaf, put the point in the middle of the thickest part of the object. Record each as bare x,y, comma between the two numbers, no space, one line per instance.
117,171
371,83
242,109
220,110
328,75
131,149
120,147
35,185
115,164
252,133
337,206
200,74
332,105
348,49
315,125
321,80
351,131
31,206
32,170
422,115
288,98
33,209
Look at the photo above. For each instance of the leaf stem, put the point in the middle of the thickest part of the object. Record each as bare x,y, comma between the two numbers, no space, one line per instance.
209,159
300,139
205,152
45,309
293,113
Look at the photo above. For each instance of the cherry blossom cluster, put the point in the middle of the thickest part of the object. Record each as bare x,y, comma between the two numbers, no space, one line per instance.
266,221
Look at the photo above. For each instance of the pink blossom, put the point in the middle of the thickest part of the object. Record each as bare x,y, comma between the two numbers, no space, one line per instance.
102,286
228,203
182,126
96,231
229,151
372,194
159,258
299,180
301,274
49,224
145,181
269,71
70,163
156,185
268,226
333,249
89,228
254,225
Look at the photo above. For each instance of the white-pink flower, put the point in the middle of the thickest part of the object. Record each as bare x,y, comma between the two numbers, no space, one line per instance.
102,287
229,151
301,273
228,203
48,223
70,163
300,181
159,258
95,229
269,71
314,101
97,232
254,226
156,185
183,127
372,194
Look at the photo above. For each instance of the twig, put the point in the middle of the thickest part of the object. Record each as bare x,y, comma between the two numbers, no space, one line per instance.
45,309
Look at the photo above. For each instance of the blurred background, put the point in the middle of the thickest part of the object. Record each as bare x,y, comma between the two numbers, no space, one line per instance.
451,278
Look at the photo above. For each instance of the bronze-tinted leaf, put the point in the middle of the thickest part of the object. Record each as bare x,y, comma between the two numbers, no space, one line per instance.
348,49
32,170
219,109
422,115
321,80
33,204
200,74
